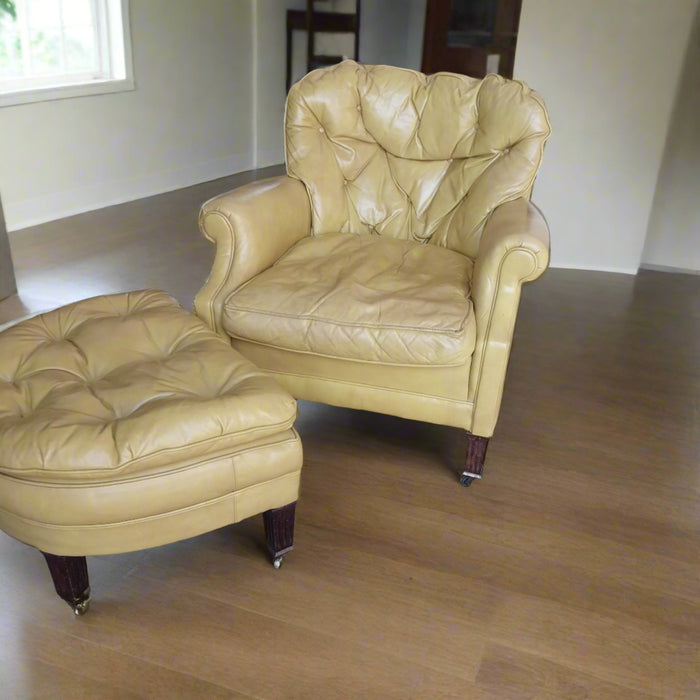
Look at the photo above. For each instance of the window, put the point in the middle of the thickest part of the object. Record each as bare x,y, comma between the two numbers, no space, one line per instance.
50,49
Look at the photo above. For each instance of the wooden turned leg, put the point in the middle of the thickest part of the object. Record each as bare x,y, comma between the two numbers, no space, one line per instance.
70,578
476,453
279,531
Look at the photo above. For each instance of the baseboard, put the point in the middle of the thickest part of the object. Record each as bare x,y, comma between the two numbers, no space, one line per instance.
669,268
595,268
38,210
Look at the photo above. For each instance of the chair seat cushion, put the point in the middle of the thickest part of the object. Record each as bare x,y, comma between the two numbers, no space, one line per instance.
360,297
125,384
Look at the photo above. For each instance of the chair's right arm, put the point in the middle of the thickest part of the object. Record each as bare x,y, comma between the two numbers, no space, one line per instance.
251,227
514,249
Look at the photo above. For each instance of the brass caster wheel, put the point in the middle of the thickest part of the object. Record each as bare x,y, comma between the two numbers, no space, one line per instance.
82,607
277,562
465,479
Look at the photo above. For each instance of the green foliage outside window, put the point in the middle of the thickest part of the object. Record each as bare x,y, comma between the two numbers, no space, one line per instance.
50,54
8,7
10,51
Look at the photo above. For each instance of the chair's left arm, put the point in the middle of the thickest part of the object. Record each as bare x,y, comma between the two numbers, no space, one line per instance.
514,248
251,226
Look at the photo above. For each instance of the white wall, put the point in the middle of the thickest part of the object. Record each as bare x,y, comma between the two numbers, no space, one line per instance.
189,119
384,27
270,74
673,238
414,36
608,71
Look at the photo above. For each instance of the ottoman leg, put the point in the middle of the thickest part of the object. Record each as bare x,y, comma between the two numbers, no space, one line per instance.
70,578
279,532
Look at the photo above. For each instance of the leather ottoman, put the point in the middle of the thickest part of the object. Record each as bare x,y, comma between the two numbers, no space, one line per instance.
125,423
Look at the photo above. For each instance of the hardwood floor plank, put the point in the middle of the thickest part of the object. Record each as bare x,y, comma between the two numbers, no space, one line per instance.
630,653
47,682
388,498
249,652
371,601
72,667
518,675
494,540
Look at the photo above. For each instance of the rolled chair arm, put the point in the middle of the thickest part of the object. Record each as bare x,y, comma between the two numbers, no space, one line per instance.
514,248
251,226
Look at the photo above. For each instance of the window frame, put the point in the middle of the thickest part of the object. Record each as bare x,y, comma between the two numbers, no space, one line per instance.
117,29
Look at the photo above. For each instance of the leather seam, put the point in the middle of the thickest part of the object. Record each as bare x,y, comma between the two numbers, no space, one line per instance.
372,386
331,322
146,518
346,359
147,477
181,448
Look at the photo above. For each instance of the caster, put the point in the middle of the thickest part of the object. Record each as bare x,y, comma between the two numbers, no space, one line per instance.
82,607
465,479
277,562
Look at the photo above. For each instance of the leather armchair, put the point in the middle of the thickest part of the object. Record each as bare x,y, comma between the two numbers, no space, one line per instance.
383,272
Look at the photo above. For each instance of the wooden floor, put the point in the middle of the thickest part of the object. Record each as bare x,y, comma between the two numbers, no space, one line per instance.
570,571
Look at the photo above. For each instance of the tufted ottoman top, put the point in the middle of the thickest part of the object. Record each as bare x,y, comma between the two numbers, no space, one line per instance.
126,383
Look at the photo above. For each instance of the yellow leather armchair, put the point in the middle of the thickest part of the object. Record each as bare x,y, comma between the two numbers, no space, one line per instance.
383,272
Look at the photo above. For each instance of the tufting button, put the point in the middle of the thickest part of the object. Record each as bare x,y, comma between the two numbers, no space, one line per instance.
321,129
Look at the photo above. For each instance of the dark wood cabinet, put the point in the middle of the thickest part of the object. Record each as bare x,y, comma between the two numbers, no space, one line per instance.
474,37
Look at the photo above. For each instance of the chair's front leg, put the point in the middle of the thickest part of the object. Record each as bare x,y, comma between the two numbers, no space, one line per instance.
279,531
476,454
70,578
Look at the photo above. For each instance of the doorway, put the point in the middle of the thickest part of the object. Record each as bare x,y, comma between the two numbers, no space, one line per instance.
474,37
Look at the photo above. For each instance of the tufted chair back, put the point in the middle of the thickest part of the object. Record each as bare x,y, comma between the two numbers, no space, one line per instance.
391,151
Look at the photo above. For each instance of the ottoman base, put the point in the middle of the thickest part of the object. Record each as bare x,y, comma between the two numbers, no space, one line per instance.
70,574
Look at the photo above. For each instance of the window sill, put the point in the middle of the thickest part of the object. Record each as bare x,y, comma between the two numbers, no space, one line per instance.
61,92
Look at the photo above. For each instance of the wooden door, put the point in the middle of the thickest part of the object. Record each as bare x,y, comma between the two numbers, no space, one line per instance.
474,37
